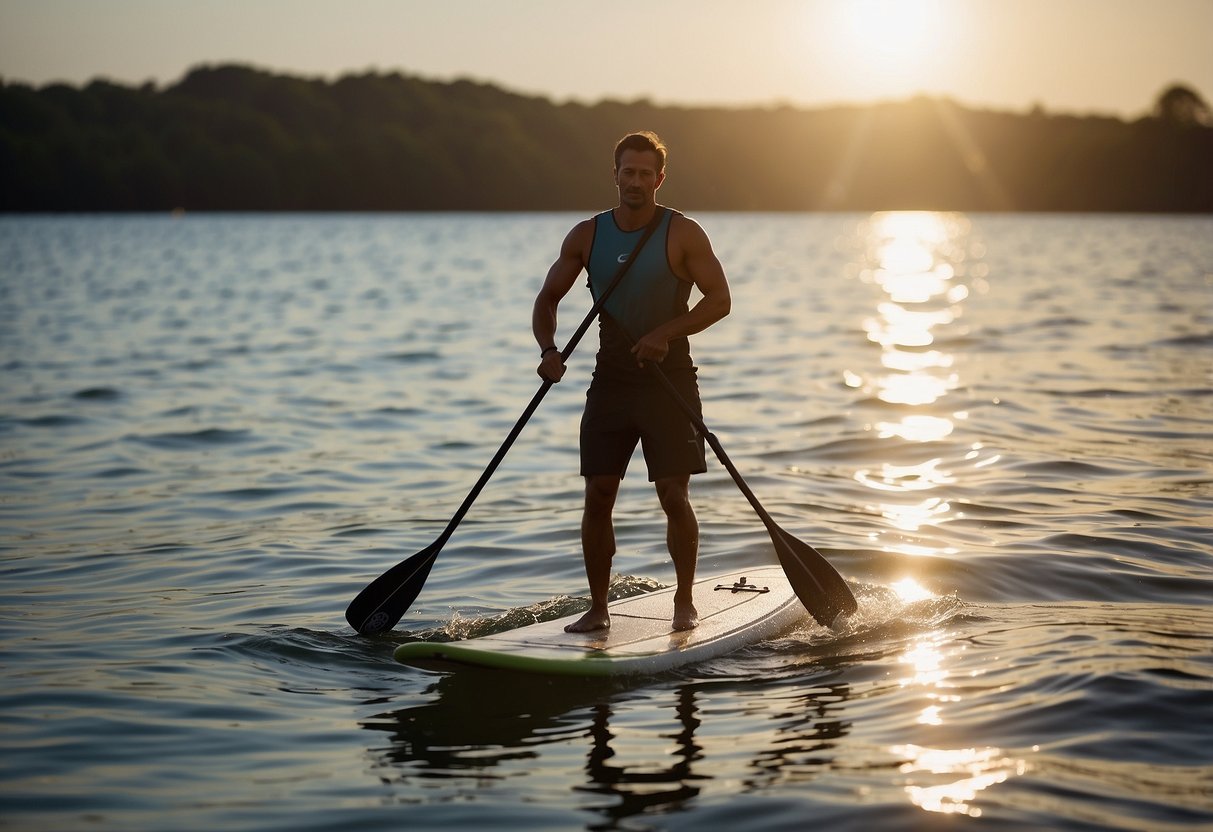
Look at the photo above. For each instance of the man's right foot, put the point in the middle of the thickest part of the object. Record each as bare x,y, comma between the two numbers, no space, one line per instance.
591,621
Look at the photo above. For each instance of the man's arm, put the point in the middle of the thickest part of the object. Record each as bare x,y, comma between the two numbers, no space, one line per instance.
560,278
693,260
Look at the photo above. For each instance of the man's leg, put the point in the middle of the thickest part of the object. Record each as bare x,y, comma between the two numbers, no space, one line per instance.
682,538
598,548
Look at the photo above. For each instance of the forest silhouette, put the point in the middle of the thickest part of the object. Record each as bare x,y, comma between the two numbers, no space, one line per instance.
238,138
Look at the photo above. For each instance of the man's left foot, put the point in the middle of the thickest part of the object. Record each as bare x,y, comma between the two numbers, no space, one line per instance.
685,617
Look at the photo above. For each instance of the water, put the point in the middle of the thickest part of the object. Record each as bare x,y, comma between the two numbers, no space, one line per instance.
215,430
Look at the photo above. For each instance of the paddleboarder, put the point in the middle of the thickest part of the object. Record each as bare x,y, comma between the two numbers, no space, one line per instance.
621,408
647,318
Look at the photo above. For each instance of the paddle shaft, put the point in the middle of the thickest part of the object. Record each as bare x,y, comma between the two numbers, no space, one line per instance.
829,593
382,602
715,445
569,346
710,437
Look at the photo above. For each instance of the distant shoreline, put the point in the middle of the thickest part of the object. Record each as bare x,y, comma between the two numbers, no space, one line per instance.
233,138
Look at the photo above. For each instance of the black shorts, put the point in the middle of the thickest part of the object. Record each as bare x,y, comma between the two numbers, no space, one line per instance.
617,415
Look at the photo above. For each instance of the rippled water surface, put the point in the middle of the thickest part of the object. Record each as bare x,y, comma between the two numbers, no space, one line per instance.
214,431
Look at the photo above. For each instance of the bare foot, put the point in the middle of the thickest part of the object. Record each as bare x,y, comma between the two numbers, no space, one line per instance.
686,617
591,621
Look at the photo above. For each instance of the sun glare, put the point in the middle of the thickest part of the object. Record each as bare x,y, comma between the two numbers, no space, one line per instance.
895,28
886,42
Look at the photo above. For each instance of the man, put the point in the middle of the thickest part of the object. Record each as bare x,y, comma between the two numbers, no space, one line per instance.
646,319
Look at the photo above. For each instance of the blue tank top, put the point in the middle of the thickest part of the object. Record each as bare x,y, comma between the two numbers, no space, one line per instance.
649,295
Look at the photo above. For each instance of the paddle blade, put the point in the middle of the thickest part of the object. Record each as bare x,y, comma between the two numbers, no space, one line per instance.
385,599
817,584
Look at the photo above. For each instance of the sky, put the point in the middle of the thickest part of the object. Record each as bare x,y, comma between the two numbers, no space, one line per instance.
1108,57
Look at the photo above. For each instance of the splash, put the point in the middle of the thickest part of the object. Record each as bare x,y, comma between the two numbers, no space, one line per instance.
460,627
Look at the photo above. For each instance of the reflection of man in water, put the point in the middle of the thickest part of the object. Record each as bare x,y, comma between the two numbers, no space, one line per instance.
646,319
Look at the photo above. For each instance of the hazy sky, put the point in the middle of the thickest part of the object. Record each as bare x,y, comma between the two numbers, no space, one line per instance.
1107,56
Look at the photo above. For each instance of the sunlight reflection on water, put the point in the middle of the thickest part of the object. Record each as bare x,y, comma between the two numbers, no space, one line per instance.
922,263
918,260
942,780
981,768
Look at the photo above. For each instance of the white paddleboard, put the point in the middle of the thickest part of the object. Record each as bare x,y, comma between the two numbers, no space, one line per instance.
735,609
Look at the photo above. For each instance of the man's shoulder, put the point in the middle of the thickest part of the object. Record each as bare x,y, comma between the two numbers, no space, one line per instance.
685,229
585,228
579,239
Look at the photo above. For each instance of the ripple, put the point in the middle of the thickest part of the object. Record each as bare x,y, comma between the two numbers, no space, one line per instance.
119,472
54,420
413,357
193,440
1204,339
99,394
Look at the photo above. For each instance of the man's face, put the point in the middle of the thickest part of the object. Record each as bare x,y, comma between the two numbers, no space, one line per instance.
637,178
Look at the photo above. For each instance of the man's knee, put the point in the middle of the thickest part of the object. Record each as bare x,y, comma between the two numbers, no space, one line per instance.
674,494
600,493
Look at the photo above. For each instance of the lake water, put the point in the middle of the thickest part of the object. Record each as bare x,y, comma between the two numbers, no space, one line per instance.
215,430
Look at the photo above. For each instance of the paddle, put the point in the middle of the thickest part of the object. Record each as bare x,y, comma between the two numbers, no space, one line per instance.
384,600
816,583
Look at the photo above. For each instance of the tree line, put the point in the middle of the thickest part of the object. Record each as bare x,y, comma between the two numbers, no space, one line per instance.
238,138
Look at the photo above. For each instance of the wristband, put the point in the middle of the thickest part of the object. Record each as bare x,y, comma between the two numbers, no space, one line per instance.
545,352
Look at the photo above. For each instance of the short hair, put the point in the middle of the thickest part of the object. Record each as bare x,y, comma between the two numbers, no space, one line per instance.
642,140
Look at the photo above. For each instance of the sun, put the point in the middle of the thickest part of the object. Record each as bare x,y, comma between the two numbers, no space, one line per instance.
889,40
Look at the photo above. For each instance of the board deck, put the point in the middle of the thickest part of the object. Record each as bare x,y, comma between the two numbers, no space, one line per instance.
735,609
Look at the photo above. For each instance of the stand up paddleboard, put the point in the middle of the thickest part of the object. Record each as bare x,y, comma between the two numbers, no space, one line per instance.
735,609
